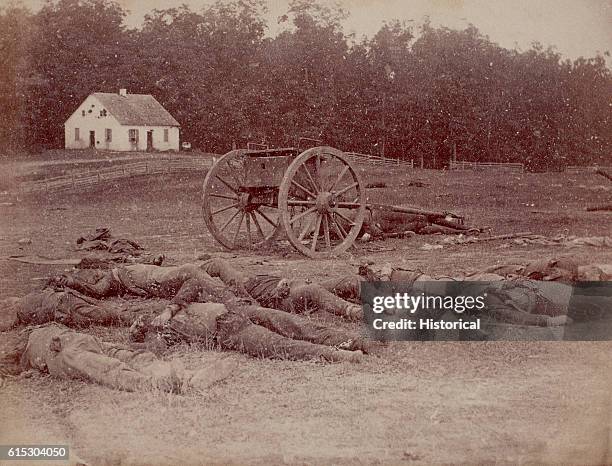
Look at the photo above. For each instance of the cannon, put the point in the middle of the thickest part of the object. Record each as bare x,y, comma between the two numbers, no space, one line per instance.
315,198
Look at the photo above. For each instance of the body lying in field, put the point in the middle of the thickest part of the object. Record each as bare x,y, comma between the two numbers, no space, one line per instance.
382,222
67,354
237,325
539,293
512,301
194,282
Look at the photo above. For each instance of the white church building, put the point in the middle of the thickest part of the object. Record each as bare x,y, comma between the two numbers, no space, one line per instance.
121,122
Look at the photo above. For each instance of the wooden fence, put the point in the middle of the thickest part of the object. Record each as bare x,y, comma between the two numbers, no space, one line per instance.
90,178
482,166
582,169
375,160
87,179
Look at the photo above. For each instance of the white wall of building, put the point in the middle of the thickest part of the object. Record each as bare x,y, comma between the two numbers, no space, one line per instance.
88,118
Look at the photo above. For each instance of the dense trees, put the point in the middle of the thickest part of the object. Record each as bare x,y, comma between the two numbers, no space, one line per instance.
410,92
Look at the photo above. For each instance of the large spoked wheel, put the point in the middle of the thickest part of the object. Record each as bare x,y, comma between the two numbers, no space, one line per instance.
235,215
322,202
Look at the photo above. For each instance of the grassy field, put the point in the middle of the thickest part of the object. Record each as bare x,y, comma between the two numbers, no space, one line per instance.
409,403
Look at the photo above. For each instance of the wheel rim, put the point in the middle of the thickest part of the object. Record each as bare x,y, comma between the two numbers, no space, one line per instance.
322,202
232,216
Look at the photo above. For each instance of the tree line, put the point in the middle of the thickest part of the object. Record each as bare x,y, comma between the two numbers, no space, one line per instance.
412,92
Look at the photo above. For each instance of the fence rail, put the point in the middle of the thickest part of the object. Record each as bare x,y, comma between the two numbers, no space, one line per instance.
583,169
375,160
462,165
88,179
91,178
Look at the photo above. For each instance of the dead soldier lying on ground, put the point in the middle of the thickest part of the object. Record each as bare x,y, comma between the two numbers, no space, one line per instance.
68,307
509,301
564,269
521,301
247,328
193,282
265,289
254,330
66,354
388,221
108,251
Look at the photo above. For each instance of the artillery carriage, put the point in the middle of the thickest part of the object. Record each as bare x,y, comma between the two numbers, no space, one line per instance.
315,197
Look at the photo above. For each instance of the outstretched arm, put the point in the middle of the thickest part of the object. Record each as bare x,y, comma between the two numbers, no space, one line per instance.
302,295
347,287
225,272
100,289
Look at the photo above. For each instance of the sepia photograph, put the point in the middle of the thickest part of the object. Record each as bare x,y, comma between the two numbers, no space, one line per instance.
305,232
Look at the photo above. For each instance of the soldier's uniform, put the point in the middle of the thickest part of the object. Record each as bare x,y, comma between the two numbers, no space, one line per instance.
257,331
519,301
64,306
190,282
182,284
67,307
290,295
67,354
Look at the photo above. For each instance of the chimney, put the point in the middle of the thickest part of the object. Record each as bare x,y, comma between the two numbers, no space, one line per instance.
123,92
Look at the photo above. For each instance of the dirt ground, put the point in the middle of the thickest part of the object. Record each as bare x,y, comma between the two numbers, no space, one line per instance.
409,403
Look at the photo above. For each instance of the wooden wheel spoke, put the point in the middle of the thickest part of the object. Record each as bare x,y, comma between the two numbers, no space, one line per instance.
347,188
295,183
238,229
344,233
235,190
266,218
310,178
223,209
248,228
337,228
230,220
315,235
347,205
326,231
295,202
340,176
318,175
223,196
346,219
237,180
257,225
302,215
306,229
